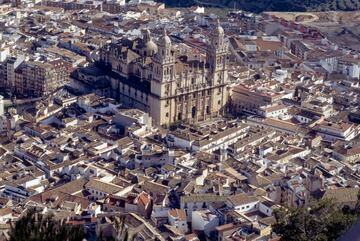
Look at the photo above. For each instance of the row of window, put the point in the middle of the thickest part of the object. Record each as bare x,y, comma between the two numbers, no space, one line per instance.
98,193
193,112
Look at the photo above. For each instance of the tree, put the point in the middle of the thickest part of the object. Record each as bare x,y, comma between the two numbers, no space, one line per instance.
34,226
122,231
320,221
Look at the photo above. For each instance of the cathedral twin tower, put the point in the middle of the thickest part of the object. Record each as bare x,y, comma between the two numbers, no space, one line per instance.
170,85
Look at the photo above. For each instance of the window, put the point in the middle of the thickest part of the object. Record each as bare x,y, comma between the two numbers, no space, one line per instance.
167,114
193,112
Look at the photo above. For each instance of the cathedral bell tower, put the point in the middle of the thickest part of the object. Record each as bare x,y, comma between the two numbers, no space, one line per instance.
162,84
217,78
164,60
217,50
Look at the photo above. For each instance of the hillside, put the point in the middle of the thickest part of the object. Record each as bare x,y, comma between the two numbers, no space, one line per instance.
273,5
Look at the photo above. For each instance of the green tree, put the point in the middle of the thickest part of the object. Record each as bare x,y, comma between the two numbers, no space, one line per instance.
320,221
123,232
34,226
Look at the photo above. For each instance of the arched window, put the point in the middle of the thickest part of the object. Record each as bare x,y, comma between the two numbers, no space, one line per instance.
193,112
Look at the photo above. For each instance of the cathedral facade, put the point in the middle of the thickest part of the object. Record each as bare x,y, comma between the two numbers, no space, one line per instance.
169,85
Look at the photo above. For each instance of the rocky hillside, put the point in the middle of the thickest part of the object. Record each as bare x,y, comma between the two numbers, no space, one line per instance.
273,5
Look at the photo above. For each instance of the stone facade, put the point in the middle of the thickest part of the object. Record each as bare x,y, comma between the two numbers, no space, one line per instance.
169,85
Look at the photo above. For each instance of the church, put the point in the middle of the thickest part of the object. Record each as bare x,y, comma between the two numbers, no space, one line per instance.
171,86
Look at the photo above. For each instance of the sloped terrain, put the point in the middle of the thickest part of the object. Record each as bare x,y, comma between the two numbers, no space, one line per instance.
340,27
273,5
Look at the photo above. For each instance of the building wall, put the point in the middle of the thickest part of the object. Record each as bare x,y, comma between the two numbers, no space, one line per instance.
244,99
37,79
194,93
245,207
198,222
1,105
265,210
96,194
179,224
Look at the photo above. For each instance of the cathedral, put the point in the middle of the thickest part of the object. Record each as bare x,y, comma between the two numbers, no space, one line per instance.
168,84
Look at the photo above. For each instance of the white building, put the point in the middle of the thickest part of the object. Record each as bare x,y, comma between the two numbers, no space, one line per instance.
220,140
177,218
337,131
99,189
243,202
204,220
1,105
